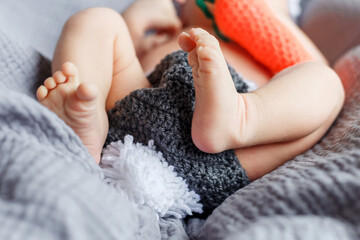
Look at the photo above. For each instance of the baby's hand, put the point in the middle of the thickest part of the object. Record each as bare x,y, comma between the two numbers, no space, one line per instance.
162,16
158,16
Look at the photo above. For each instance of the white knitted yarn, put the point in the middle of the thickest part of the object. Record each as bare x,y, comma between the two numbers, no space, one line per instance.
143,175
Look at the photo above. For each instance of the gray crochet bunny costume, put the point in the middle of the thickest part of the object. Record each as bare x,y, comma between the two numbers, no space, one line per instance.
164,113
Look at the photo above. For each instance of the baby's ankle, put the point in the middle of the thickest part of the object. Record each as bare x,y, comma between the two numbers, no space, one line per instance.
245,131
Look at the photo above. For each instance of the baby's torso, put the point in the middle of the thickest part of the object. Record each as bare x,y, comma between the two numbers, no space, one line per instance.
238,58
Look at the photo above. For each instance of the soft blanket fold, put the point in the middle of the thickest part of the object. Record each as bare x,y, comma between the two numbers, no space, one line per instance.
50,187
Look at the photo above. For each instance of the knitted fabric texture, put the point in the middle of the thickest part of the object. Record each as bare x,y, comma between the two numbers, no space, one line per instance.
164,114
252,25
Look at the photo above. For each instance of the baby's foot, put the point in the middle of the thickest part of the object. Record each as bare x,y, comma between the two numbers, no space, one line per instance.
75,103
219,114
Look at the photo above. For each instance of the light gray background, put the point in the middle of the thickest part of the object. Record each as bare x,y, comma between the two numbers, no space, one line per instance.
39,22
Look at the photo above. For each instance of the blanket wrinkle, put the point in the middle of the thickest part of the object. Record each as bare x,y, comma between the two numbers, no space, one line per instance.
50,187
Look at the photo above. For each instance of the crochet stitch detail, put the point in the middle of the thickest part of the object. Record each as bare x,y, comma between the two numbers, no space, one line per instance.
163,114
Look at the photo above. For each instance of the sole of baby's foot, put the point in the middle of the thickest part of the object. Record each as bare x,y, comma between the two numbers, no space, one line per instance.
219,115
75,103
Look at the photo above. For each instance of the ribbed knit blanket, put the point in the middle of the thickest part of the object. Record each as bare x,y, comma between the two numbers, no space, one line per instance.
50,188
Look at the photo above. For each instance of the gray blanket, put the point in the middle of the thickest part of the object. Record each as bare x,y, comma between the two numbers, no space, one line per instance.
50,188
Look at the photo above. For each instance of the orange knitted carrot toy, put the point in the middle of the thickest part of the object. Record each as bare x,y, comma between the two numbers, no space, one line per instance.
251,24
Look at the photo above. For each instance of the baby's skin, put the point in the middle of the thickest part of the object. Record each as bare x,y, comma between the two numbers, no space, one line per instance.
265,128
75,103
217,109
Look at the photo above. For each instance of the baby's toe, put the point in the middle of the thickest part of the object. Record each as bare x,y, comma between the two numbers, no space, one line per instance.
41,93
50,83
86,92
59,77
208,59
185,42
203,38
69,69
207,54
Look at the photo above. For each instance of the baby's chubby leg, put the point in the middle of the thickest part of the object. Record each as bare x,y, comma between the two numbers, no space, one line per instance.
296,103
220,112
94,65
98,42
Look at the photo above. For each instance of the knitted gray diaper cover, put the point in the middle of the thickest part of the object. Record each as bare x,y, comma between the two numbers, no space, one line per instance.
164,113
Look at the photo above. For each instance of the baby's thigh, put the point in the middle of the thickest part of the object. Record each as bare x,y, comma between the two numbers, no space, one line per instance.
98,42
89,37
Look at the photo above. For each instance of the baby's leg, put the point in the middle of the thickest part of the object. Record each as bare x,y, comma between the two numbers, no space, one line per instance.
262,159
94,65
98,42
299,103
